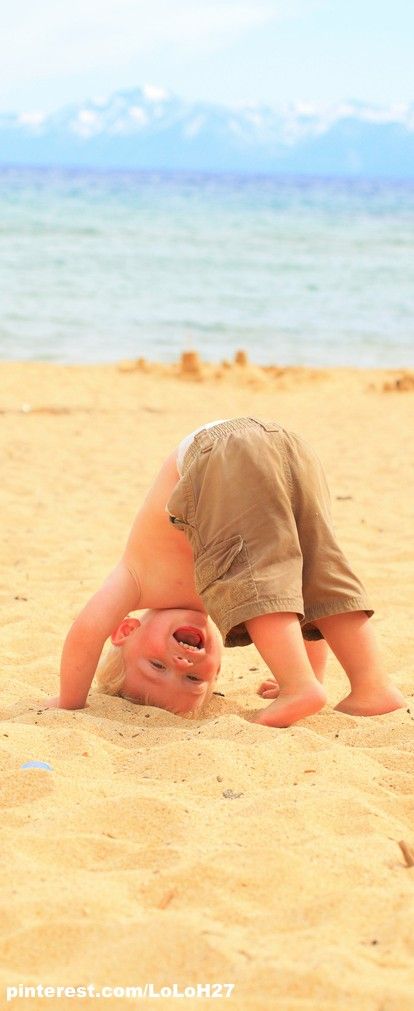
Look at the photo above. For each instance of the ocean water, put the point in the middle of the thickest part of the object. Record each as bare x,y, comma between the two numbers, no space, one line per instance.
97,267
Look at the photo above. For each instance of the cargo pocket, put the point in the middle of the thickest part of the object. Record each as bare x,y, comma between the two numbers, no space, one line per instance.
223,577
216,560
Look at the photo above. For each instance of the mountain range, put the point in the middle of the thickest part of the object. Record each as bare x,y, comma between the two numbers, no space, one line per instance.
148,128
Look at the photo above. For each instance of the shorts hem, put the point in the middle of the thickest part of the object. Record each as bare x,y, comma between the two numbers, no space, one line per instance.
329,610
337,606
253,609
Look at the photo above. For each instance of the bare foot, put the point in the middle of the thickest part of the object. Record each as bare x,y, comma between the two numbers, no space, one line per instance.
385,700
269,689
290,707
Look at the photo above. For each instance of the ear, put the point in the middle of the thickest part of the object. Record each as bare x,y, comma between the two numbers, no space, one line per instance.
121,633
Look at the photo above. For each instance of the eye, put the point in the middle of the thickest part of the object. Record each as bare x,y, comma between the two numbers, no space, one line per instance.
192,677
157,665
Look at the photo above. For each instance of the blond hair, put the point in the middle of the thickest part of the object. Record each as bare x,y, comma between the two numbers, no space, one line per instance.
111,673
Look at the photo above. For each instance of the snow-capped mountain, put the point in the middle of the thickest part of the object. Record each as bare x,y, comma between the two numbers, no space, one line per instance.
147,128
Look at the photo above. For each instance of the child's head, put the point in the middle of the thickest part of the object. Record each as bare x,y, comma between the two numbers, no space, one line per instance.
168,658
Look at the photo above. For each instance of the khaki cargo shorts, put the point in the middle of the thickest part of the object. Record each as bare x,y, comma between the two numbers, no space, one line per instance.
254,503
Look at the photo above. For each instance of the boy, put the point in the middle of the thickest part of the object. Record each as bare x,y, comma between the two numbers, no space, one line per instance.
236,526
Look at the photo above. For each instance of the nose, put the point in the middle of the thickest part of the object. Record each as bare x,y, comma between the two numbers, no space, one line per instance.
183,663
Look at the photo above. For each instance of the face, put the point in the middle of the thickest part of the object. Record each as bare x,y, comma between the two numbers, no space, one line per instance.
171,657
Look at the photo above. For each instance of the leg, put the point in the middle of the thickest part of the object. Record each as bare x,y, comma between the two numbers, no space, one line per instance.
278,638
352,639
317,651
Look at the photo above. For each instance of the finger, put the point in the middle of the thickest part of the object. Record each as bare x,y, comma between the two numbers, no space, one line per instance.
269,683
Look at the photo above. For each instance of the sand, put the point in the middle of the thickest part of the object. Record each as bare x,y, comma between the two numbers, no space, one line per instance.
165,851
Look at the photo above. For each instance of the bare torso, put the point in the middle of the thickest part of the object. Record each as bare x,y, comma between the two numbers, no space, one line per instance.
157,554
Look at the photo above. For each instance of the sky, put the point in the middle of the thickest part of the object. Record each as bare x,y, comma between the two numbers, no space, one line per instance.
54,52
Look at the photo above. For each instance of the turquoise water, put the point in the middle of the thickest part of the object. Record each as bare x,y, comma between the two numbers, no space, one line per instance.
98,267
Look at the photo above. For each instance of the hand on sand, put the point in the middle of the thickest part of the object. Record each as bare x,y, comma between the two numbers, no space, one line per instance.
269,689
50,703
56,703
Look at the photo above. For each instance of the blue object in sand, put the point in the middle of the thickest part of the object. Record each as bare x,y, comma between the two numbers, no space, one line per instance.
34,764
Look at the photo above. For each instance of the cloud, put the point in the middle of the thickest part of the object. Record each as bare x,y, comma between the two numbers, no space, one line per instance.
53,52
49,38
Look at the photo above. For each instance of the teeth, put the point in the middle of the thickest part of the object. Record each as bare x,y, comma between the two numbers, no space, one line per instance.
187,645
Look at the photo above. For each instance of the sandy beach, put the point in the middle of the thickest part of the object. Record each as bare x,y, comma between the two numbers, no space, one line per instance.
157,850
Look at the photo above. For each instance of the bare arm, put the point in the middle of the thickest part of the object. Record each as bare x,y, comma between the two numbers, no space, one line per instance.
85,640
119,594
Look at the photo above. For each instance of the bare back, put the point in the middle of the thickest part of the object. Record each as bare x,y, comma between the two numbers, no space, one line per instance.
158,555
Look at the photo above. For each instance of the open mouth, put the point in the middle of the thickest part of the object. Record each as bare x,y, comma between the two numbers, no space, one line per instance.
191,638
